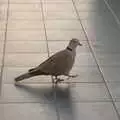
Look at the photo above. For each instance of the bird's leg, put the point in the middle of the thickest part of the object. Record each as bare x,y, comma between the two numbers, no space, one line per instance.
53,79
58,80
72,76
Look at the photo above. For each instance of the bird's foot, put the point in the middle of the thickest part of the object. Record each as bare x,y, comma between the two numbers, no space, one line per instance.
72,76
59,80
53,80
16,83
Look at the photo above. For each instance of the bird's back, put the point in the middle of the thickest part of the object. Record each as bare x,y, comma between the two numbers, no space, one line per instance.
58,64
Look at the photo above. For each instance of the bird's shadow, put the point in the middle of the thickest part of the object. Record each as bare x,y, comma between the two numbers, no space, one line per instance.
64,102
58,96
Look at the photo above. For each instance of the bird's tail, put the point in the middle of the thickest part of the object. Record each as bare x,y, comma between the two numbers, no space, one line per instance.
23,76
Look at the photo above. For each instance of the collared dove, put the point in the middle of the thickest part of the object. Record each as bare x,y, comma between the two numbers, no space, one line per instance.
58,64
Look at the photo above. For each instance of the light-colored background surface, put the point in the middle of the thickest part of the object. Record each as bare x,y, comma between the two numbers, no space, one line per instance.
32,30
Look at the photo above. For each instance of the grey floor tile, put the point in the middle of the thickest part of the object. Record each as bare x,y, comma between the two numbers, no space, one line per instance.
111,74
58,7
96,10
115,7
64,102
84,59
86,74
26,1
108,59
63,93
0,79
86,7
60,15
89,111
102,28
84,48
28,111
26,47
87,15
105,46
3,13
96,30
2,35
3,7
1,58
4,1
118,106
92,15
93,6
57,2
25,7
85,1
65,34
2,25
10,73
25,16
114,88
91,23
1,46
55,46
24,59
63,24
117,13
23,35
42,93
92,92
25,25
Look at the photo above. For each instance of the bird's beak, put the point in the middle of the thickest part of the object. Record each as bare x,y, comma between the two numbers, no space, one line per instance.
80,44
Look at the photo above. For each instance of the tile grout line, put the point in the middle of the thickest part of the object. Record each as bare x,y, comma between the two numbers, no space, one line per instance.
43,20
37,19
112,12
54,93
9,83
39,41
27,102
92,52
6,102
4,46
118,22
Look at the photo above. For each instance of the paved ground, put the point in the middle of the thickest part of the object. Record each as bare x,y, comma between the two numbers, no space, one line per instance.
32,30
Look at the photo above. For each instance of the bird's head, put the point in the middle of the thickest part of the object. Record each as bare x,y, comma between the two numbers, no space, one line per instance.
74,43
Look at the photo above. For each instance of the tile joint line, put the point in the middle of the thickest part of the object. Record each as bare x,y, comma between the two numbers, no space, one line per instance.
112,101
43,18
4,46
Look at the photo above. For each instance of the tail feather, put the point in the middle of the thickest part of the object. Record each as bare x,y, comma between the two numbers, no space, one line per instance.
30,70
23,76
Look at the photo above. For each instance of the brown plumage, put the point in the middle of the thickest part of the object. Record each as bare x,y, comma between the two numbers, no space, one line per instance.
59,64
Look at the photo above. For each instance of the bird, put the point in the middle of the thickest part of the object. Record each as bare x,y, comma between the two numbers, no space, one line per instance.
58,64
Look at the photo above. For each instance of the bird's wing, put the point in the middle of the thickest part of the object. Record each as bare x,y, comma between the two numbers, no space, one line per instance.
56,64
49,60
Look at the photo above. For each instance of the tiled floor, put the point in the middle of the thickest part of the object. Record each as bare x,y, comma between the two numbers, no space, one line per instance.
32,30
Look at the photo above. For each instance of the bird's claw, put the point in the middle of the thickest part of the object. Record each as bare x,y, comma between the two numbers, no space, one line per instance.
73,76
17,83
59,81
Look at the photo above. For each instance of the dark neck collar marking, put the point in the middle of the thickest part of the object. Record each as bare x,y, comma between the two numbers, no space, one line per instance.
69,49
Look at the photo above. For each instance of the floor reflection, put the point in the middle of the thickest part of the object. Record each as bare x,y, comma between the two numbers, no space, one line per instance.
58,95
